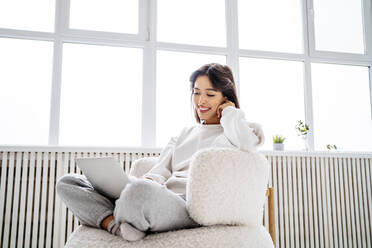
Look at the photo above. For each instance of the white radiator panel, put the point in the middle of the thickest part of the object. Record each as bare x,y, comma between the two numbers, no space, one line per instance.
31,214
322,201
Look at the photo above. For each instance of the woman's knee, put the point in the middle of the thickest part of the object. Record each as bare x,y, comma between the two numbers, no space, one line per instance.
144,196
134,201
140,191
66,182
136,196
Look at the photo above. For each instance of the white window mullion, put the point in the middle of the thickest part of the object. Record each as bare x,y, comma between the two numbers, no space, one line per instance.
102,41
367,21
308,27
270,55
56,93
61,22
64,17
370,87
324,55
143,20
24,34
149,77
341,61
232,35
309,47
77,33
309,102
190,48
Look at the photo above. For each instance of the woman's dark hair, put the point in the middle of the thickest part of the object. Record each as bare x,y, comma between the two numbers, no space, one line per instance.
222,79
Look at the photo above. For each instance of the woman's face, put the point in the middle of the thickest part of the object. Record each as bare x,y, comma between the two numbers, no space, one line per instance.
206,100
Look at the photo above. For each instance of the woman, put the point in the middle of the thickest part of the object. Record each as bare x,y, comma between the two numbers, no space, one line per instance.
157,201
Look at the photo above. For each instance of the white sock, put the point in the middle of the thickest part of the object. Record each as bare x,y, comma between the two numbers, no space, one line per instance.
130,233
114,228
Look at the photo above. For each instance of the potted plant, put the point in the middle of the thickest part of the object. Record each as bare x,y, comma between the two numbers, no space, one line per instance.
330,147
278,143
302,130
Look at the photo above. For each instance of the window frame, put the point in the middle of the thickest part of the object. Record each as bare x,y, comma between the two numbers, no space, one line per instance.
146,39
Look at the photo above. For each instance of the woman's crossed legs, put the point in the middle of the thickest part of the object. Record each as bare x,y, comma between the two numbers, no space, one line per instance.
143,204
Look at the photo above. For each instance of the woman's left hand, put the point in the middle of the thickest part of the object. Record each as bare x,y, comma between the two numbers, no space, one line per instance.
222,106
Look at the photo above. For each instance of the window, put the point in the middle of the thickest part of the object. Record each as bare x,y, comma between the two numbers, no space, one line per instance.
108,15
192,22
173,105
36,15
272,94
116,73
271,25
338,26
101,96
25,88
342,113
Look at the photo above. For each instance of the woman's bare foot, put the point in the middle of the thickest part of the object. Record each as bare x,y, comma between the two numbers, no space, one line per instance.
106,221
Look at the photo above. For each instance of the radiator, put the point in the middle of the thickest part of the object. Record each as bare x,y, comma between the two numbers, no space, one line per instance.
321,199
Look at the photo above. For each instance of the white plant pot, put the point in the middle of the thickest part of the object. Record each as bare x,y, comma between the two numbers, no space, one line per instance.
278,146
306,143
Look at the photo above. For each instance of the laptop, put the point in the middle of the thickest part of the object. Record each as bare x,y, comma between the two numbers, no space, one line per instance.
105,174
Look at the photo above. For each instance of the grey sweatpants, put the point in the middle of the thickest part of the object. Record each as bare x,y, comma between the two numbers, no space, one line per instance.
146,205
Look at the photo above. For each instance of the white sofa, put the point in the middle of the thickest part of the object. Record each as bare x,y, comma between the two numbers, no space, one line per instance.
225,193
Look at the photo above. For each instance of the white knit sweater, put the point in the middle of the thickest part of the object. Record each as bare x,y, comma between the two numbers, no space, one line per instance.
234,131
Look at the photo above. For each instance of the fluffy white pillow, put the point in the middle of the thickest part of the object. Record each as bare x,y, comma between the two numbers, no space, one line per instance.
227,186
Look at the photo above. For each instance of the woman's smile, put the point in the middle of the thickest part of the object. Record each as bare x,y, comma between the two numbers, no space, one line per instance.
203,110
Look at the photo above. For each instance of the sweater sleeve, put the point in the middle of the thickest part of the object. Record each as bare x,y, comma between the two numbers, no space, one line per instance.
241,133
162,170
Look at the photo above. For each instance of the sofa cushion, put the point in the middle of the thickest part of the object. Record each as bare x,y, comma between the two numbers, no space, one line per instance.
212,236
